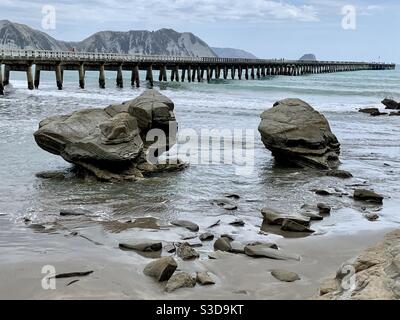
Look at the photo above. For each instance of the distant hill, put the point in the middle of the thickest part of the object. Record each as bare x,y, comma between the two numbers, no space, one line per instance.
308,57
163,42
233,53
20,36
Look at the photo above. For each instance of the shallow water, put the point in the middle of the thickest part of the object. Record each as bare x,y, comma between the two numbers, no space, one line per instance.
370,150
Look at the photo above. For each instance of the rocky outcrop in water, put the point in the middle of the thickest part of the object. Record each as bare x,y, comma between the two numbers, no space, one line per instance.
111,143
391,104
297,134
375,273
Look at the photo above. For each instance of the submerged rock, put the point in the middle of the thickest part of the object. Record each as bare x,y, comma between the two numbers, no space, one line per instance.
285,276
296,133
324,208
74,212
289,225
368,195
111,143
391,104
371,216
369,110
180,280
161,269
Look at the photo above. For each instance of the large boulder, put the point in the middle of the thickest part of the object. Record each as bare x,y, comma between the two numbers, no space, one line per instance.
296,133
111,143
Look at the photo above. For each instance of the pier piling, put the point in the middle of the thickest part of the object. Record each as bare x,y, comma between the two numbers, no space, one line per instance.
149,75
102,77
6,80
37,77
1,80
29,77
59,77
81,76
120,79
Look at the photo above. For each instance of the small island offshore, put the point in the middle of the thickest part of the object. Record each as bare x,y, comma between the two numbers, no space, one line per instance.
156,165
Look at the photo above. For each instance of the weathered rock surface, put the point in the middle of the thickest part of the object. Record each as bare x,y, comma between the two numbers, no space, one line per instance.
391,104
377,273
180,280
186,224
161,269
290,225
371,216
369,110
144,246
285,276
111,143
296,133
324,208
186,252
204,279
368,195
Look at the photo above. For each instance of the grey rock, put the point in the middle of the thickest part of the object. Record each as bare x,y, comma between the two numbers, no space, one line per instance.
274,217
204,279
264,244
266,252
285,276
296,133
186,252
324,208
237,223
222,244
109,147
186,224
289,225
50,175
144,246
394,114
339,174
369,110
74,212
217,255
368,195
230,207
161,269
322,192
371,216
206,236
228,237
180,280
391,104
188,236
170,248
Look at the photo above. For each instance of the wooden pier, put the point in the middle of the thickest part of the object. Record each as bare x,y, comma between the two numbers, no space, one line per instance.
188,69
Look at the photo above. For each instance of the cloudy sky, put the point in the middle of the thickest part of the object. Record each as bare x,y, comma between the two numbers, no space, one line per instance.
269,29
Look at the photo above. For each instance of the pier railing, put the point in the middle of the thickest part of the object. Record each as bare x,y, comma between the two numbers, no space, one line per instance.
9,54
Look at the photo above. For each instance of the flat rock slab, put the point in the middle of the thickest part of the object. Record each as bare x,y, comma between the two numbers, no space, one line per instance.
274,217
265,252
180,280
285,276
339,174
144,246
186,224
368,195
204,279
289,225
161,269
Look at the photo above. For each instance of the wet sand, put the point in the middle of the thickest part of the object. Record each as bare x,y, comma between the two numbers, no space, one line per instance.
118,274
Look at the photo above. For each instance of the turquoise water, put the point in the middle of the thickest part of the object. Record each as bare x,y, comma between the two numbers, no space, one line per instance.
370,150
